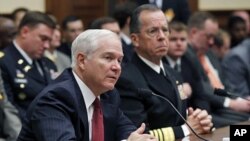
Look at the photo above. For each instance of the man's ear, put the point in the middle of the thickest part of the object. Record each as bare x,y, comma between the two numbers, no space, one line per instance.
193,31
81,59
134,39
24,31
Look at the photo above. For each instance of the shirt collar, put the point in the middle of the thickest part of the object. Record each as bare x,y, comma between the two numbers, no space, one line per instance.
87,94
125,38
23,53
155,67
172,62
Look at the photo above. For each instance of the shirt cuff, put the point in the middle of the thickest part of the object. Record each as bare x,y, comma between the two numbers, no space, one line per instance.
185,130
226,102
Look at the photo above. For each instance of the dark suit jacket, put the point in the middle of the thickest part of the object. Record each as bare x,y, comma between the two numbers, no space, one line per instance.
59,113
180,8
155,112
215,101
221,116
189,75
128,51
236,67
21,83
65,48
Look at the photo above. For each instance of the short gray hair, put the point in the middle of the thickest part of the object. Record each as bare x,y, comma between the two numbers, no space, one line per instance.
88,41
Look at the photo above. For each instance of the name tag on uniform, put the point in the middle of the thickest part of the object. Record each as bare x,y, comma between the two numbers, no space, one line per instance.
20,80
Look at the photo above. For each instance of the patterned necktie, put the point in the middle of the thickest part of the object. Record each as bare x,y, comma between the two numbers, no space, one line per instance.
97,122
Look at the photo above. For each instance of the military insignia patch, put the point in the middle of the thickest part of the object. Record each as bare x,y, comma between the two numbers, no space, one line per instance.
22,96
19,74
27,68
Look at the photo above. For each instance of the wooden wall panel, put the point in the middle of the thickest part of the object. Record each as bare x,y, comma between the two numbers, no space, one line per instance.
85,9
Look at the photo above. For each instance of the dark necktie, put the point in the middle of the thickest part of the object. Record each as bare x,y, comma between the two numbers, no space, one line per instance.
97,122
35,68
177,67
162,72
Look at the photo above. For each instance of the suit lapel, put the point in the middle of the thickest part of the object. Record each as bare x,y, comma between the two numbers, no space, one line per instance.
155,81
81,108
174,84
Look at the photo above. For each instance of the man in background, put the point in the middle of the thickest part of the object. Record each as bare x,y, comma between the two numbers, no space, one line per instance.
7,31
149,33
202,28
122,13
25,71
72,26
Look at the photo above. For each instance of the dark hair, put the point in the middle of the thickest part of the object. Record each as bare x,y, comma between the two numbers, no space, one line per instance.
20,9
33,18
69,19
123,11
97,23
198,19
135,22
219,38
233,20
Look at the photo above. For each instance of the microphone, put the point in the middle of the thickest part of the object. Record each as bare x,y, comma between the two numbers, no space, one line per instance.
147,92
222,92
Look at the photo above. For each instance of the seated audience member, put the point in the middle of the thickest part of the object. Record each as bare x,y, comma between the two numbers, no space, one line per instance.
202,28
82,103
237,29
61,60
7,32
18,14
122,13
149,33
10,124
108,23
72,26
236,67
244,15
221,45
25,71
177,60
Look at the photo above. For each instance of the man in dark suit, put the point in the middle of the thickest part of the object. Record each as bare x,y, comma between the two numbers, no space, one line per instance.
25,71
122,13
174,10
202,28
72,26
149,34
66,109
236,63
177,60
10,124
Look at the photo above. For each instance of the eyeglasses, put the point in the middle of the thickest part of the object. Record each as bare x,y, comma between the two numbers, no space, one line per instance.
152,32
